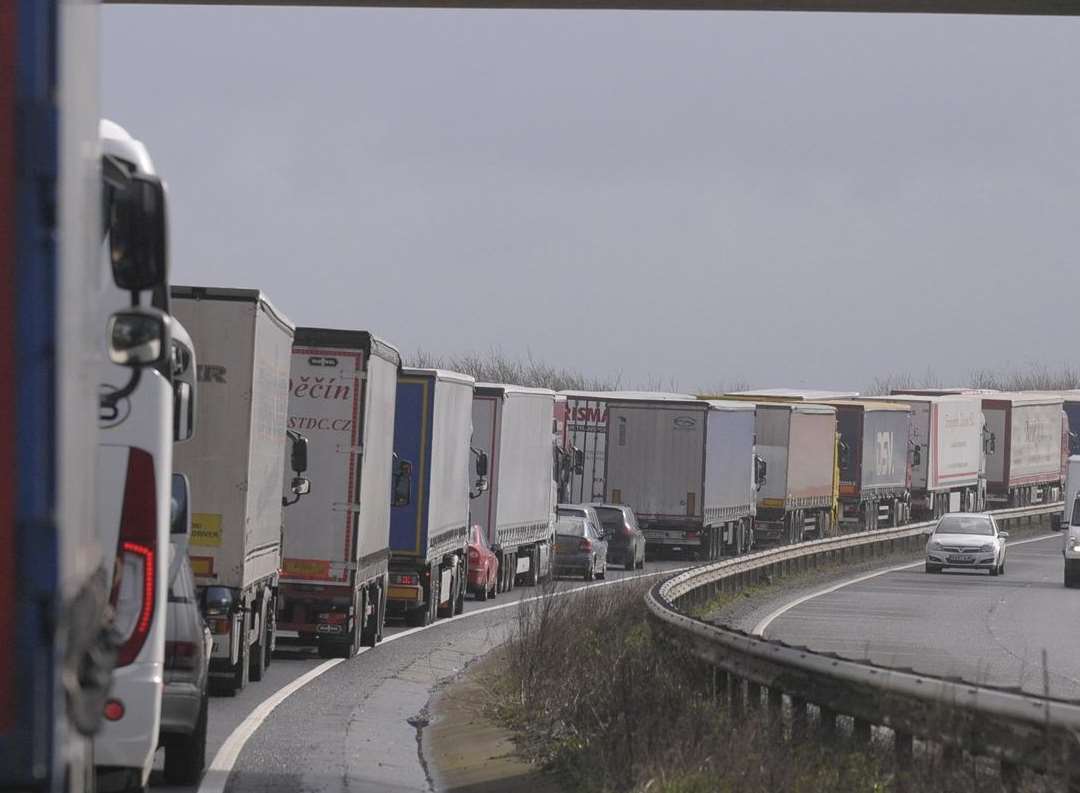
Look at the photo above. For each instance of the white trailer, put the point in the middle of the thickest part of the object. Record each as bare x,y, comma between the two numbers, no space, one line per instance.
585,437
1071,489
798,443
429,533
687,468
512,426
1031,444
333,591
236,463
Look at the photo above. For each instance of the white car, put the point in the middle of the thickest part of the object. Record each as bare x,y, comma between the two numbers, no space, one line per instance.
1071,548
966,539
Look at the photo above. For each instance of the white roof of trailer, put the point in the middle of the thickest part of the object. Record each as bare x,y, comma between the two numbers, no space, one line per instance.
507,389
805,394
731,404
626,396
439,374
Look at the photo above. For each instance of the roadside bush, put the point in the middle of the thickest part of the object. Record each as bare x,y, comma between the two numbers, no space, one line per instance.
595,695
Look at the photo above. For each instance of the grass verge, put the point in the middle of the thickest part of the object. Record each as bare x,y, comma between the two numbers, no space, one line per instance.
600,699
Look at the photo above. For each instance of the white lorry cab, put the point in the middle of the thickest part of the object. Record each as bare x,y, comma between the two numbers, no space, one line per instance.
135,439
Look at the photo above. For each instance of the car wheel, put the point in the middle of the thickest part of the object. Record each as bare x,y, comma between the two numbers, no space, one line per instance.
603,572
1071,580
933,568
185,755
994,570
590,571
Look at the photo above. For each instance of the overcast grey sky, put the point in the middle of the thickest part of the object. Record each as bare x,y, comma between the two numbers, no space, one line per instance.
779,199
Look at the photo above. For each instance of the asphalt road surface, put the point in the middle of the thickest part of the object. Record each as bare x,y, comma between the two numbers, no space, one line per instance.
962,623
354,725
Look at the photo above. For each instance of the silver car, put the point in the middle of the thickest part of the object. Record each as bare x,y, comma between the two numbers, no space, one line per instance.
184,699
966,539
580,548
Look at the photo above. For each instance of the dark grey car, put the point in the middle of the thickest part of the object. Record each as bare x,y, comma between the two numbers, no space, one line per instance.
184,700
626,543
585,511
580,548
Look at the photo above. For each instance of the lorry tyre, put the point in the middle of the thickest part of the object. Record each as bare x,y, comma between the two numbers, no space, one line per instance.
185,755
418,617
369,634
459,601
258,650
1071,579
269,634
440,609
242,668
531,577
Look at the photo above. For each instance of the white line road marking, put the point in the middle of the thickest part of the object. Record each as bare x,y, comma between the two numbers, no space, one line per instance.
218,773
762,626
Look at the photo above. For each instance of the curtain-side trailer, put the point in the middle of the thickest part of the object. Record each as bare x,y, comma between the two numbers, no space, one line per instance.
56,650
874,463
333,590
236,464
687,470
948,444
586,432
512,426
798,443
1025,466
429,535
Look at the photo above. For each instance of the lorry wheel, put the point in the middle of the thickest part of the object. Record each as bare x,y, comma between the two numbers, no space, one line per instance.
417,618
242,668
185,755
369,634
258,653
459,601
448,609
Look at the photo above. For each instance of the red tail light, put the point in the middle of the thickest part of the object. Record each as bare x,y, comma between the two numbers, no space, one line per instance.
585,545
133,600
406,580
179,655
692,535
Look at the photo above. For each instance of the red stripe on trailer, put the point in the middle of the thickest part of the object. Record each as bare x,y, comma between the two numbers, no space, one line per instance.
7,362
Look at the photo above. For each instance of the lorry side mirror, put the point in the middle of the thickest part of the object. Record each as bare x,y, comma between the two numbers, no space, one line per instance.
180,511
481,464
298,456
137,337
579,462
916,455
761,470
137,233
403,484
845,455
300,486
183,411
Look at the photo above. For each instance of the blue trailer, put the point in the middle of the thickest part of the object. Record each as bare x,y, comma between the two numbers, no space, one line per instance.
55,652
428,535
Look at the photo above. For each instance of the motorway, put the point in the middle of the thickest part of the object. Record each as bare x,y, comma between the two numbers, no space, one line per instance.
959,623
355,725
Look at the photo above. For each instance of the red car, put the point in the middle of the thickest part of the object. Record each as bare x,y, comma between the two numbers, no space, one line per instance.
483,566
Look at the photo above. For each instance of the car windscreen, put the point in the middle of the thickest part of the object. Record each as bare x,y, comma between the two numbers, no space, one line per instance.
964,524
1076,513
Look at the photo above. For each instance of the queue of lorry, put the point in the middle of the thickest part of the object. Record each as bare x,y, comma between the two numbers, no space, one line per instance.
311,486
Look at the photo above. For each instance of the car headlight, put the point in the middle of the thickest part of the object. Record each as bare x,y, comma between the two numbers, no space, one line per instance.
986,548
1074,543
933,545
